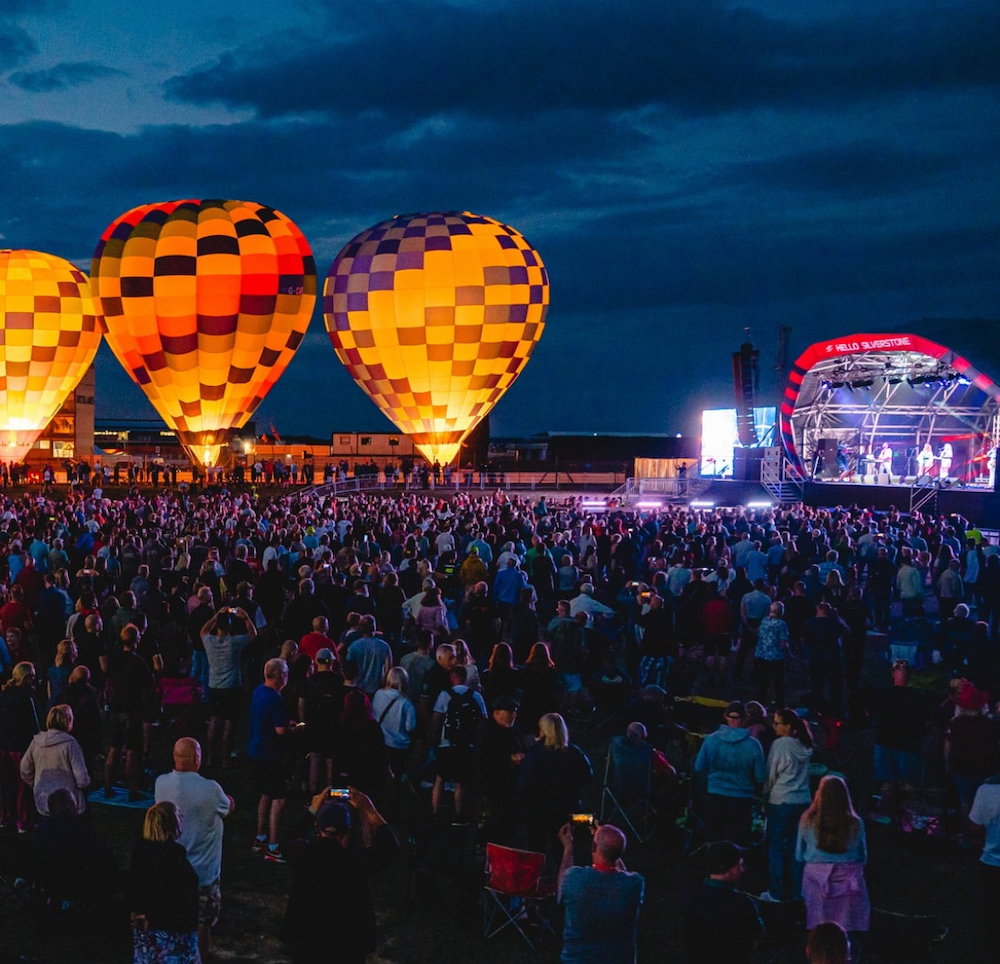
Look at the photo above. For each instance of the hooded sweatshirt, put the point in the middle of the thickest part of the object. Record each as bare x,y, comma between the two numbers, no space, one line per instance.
732,761
788,771
54,761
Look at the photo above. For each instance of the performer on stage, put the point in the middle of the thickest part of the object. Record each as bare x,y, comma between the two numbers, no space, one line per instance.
925,459
946,458
884,463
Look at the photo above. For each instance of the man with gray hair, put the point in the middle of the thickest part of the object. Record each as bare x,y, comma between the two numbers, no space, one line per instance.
601,901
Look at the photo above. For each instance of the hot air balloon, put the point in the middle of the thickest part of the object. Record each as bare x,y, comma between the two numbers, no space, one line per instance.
434,316
49,334
204,304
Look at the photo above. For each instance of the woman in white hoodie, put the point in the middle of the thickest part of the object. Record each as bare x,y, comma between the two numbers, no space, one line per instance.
54,761
788,796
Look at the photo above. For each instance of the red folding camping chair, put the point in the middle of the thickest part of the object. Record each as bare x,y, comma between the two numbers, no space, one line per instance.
514,889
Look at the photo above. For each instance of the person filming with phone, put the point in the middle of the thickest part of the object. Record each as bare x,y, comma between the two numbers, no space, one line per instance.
601,902
331,913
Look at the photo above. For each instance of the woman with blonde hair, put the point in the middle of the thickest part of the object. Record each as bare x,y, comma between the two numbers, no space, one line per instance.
54,761
163,893
831,844
552,775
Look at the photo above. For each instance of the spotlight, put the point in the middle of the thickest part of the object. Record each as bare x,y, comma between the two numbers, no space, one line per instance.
701,504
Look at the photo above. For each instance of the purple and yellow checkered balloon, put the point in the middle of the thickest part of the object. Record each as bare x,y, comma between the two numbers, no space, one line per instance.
49,334
204,302
434,316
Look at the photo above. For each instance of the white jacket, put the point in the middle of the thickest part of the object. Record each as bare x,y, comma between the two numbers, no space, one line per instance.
54,761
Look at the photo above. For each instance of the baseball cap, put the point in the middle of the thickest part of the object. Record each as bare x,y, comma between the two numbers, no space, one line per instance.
324,655
333,816
721,855
506,704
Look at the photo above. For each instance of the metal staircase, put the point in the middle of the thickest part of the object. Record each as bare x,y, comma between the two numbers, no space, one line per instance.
782,483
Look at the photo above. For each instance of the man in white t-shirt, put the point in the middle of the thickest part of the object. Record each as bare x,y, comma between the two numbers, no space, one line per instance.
202,804
985,818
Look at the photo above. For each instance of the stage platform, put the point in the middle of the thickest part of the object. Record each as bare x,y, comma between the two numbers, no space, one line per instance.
978,504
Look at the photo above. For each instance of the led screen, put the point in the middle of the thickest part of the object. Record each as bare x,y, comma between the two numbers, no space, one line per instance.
719,437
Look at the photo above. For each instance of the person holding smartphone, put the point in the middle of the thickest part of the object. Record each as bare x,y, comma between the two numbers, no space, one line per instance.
330,908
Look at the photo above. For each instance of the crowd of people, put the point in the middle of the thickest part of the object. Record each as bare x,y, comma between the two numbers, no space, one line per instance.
369,651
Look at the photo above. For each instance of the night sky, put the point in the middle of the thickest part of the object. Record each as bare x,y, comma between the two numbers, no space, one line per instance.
686,168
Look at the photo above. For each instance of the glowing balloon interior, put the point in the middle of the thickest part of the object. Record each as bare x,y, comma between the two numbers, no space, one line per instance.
434,316
49,334
204,304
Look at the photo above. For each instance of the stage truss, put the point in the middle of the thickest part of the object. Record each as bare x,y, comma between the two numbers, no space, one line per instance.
863,391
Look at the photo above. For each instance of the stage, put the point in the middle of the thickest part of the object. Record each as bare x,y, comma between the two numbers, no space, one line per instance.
979,504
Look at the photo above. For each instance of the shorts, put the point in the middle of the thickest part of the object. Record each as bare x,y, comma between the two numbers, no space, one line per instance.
898,766
571,682
270,779
126,731
226,703
209,904
456,764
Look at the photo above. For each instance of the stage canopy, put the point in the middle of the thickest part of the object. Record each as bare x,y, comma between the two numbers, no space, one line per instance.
858,392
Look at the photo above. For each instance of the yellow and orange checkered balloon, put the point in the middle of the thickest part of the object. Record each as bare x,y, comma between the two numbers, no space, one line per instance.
49,334
204,304
434,316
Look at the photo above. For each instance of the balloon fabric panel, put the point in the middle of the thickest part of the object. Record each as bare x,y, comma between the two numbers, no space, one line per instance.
48,338
205,303
435,315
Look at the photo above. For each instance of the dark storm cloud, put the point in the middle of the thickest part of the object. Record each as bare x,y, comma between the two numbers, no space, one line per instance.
862,171
334,179
62,76
685,258
15,46
699,57
14,8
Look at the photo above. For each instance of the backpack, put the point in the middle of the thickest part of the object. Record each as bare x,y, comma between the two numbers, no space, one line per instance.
462,719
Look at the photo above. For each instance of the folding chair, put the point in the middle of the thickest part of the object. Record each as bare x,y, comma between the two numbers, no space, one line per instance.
628,787
514,886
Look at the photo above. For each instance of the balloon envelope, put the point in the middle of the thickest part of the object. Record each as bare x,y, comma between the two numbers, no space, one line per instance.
204,304
435,315
49,334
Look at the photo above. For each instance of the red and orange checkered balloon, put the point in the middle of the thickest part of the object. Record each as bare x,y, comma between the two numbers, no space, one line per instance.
434,316
49,334
204,304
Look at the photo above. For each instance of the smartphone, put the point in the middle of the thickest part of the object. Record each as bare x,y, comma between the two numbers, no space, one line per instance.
583,818
336,793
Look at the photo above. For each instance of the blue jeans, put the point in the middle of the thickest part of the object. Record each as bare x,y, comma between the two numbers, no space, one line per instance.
199,670
784,871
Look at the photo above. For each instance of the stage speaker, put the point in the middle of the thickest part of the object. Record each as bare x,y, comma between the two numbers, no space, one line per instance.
745,383
746,464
